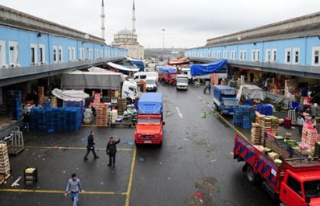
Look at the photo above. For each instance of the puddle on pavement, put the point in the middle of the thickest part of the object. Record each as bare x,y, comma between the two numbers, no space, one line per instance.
204,194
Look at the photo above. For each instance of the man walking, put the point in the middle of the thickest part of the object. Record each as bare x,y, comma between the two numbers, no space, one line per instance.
112,150
90,146
74,185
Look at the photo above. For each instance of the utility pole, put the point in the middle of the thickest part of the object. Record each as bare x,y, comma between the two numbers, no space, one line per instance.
163,43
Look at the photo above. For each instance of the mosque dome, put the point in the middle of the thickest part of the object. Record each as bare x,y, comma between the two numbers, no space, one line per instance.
125,32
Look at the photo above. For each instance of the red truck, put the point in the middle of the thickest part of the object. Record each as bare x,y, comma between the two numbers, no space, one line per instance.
150,119
168,75
295,181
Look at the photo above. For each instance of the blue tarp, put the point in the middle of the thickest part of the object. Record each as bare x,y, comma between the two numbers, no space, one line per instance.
150,103
137,63
168,70
203,69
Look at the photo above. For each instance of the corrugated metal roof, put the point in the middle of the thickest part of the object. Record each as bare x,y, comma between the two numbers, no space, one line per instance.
303,26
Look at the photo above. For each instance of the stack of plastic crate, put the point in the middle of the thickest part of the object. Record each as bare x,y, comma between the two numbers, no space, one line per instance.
237,117
265,109
4,162
68,118
16,105
49,119
56,119
75,119
34,118
246,120
62,119
42,126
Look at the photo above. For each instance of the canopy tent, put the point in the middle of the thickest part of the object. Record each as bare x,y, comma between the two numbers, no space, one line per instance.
123,68
69,94
137,63
254,91
183,60
92,80
203,69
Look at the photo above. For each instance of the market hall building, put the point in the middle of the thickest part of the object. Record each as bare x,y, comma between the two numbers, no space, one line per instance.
35,52
286,54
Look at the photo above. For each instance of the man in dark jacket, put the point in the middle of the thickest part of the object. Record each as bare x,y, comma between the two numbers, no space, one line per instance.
112,150
90,146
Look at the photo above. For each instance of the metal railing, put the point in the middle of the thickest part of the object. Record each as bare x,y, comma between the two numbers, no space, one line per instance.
294,69
13,72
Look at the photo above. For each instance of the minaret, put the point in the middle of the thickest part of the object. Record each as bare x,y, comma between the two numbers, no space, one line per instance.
102,20
133,18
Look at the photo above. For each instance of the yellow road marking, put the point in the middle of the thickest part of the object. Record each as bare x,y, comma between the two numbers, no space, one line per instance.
131,177
73,148
226,121
60,192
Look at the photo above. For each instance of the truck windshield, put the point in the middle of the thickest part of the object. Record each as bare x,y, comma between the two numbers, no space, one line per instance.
182,80
230,102
312,188
148,121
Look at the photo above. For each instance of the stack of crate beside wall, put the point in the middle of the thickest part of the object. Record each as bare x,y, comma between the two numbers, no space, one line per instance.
4,162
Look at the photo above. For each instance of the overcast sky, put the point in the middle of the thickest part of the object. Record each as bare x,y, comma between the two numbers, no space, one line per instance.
187,23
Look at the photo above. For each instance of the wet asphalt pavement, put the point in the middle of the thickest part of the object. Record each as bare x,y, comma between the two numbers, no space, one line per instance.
195,165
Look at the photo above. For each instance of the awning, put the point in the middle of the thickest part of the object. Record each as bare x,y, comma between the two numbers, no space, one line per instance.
123,68
136,62
203,69
179,61
69,94
92,80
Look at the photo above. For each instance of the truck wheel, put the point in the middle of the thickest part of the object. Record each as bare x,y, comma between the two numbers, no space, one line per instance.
252,177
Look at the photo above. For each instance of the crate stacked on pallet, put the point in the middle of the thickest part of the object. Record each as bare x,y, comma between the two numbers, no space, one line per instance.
259,117
122,106
79,104
247,118
274,124
4,162
102,115
97,100
75,119
256,133
60,119
237,117
265,109
309,134
41,95
265,125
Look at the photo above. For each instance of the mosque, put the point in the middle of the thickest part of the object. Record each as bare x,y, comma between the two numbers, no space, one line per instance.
127,39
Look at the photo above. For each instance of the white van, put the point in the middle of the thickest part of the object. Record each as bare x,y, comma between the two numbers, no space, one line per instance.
151,84
182,81
137,77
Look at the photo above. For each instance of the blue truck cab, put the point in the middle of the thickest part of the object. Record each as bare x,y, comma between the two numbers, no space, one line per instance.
224,99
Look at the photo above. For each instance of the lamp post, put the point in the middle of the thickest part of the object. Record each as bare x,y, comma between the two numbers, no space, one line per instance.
163,43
